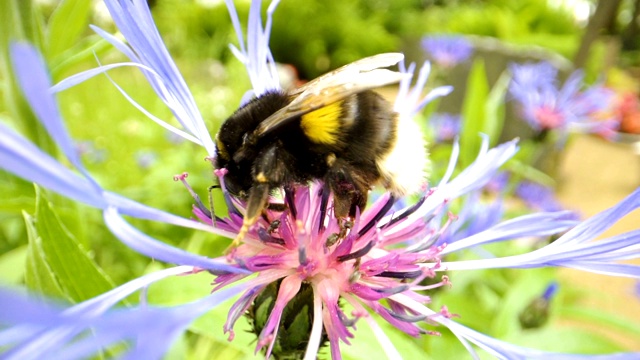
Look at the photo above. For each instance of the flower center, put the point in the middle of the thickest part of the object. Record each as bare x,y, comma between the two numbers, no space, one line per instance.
549,118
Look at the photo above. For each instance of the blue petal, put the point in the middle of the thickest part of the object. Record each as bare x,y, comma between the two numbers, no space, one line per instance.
19,156
48,331
158,250
33,79
503,350
18,308
540,224
577,248
625,270
22,158
597,224
256,56
146,327
134,20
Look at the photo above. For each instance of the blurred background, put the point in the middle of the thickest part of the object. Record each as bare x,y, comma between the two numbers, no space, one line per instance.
473,45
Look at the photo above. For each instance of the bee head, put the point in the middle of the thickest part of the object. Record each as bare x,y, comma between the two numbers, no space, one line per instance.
237,145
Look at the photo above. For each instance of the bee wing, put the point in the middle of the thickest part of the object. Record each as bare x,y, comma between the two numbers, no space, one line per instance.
364,74
358,66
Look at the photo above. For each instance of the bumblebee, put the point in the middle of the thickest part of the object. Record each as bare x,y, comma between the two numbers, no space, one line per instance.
334,129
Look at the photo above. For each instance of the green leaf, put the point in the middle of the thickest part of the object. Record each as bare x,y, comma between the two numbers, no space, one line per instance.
57,261
473,113
38,274
85,49
495,108
19,19
66,25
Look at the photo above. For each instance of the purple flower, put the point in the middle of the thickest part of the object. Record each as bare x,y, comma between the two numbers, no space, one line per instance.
445,126
88,149
538,197
376,268
447,50
545,106
498,184
528,76
146,158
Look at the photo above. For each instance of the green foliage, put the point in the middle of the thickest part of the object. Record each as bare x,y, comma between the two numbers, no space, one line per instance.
320,36
195,31
482,112
67,23
473,114
316,36
532,22
57,264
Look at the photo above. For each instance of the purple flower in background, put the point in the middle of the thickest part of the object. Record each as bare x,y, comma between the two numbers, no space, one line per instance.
476,215
545,106
447,50
89,150
497,185
445,126
538,197
146,158
376,268
529,76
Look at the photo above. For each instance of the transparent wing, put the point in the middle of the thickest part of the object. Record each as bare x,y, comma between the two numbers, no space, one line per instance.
361,75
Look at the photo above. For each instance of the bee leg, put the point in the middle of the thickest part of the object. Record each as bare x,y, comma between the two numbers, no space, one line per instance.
268,171
350,192
258,196
277,207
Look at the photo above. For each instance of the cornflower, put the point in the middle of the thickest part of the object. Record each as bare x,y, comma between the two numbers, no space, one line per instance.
445,126
546,106
447,50
537,196
380,261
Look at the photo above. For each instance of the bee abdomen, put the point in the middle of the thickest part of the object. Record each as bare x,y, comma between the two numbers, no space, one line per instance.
405,167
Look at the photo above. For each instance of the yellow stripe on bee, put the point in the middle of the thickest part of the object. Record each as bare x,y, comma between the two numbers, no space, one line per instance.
222,150
323,125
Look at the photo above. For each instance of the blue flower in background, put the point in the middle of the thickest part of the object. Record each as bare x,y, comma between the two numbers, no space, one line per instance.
447,50
445,126
537,196
373,269
531,76
546,106
498,184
